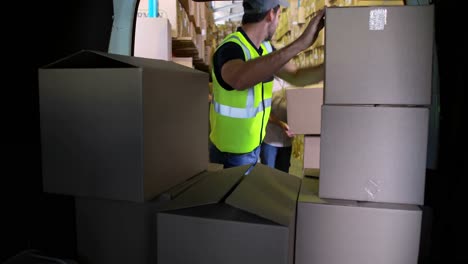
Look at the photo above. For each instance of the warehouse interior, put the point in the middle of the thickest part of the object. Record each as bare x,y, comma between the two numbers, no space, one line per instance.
45,31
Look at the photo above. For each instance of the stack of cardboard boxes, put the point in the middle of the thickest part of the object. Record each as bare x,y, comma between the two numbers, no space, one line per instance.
374,133
114,136
304,118
228,217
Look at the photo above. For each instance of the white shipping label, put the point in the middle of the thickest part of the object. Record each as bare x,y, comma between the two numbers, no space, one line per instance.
378,19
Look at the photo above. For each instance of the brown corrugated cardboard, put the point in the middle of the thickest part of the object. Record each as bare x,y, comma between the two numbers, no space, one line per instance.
153,38
303,109
115,126
247,219
338,231
111,231
373,153
121,232
379,55
311,152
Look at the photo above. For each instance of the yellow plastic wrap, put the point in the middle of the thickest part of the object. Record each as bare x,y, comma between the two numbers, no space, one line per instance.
298,147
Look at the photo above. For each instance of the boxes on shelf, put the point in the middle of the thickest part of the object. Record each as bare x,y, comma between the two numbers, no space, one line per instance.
378,2
153,38
174,12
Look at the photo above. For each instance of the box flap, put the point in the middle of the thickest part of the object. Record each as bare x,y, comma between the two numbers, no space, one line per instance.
175,191
211,189
95,59
269,193
87,59
151,63
222,211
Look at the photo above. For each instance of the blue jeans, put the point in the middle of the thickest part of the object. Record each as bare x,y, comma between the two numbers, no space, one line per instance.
231,159
276,157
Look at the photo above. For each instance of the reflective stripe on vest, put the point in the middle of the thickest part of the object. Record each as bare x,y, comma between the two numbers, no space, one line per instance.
268,46
237,112
249,111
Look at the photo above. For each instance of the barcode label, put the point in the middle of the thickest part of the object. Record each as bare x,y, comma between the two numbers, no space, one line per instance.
378,19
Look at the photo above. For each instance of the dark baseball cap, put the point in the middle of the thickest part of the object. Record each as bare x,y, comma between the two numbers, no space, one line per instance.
261,6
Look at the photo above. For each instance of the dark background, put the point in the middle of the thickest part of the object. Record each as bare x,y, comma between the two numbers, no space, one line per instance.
44,31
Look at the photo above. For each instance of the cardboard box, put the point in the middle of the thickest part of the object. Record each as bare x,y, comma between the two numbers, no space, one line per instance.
173,11
114,126
374,153
153,38
338,231
120,232
311,152
231,218
379,55
303,109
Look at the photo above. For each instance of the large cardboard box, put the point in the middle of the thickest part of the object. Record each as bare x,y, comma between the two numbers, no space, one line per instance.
379,55
374,153
339,231
311,152
304,110
121,232
153,38
231,218
114,126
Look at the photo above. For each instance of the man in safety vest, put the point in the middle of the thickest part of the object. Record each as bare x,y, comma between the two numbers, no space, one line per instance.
244,65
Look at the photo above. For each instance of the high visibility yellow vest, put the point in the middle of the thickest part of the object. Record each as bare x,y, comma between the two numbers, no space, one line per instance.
238,118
